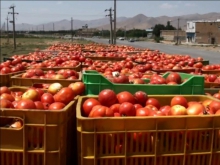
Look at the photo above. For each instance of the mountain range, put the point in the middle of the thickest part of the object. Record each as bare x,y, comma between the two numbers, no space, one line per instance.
139,21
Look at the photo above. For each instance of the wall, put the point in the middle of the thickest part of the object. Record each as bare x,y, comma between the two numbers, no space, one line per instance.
170,35
207,30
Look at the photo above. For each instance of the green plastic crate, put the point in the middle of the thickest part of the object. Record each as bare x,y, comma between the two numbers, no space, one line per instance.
95,82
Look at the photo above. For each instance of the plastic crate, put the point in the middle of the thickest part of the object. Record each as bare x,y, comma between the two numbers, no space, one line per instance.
95,83
212,90
5,79
168,140
46,138
16,80
211,71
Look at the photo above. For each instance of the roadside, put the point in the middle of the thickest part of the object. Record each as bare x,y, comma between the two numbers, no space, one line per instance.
208,47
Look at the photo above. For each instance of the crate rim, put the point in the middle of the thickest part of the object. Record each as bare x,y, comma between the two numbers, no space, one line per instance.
79,114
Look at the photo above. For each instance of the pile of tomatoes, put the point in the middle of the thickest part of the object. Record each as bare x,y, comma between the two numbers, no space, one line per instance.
110,104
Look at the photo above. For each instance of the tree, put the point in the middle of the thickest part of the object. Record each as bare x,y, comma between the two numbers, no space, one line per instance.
169,27
157,28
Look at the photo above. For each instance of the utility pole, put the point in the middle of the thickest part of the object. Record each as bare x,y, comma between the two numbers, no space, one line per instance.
43,28
7,30
72,29
114,22
13,13
125,32
53,26
177,38
110,15
102,32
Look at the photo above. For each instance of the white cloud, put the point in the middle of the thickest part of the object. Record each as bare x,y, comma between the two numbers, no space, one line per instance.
189,4
167,6
59,3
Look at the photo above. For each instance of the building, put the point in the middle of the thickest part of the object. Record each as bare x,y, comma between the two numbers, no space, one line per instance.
203,32
86,31
171,35
149,33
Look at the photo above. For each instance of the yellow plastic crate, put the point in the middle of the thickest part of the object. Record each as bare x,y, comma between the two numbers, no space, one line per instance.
46,138
168,140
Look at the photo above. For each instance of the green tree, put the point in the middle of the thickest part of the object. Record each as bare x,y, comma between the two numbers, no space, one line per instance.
157,28
169,27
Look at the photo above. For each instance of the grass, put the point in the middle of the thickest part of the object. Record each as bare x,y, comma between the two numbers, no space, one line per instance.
27,45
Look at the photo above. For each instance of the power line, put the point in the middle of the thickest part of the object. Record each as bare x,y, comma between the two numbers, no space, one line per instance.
13,13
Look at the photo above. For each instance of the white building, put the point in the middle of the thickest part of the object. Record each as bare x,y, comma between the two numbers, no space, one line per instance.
192,30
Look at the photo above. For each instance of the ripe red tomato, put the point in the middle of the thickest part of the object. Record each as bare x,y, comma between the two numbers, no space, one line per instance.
6,103
151,107
217,95
179,100
101,111
4,89
195,109
141,97
143,112
137,106
127,109
39,105
125,97
56,106
26,104
165,110
88,105
107,97
65,95
214,106
47,98
154,102
7,96
174,77
115,108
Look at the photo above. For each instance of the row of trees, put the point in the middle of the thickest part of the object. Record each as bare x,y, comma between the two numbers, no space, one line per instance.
132,33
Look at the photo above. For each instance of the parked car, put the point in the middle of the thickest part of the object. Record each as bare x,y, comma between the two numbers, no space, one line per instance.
131,40
121,38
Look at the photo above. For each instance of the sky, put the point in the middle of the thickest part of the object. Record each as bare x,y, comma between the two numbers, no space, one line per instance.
39,12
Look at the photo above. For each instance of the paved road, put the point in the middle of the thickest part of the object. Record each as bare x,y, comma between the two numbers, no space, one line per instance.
213,57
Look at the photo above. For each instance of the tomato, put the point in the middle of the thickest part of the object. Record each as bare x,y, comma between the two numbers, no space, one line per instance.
136,106
107,97
88,105
154,102
214,106
206,103
77,87
47,98
143,112
26,104
101,111
115,108
173,77
217,95
141,97
39,105
195,109
56,106
179,100
156,113
178,110
4,89
125,97
6,103
65,95
7,97
165,110
127,109
191,103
